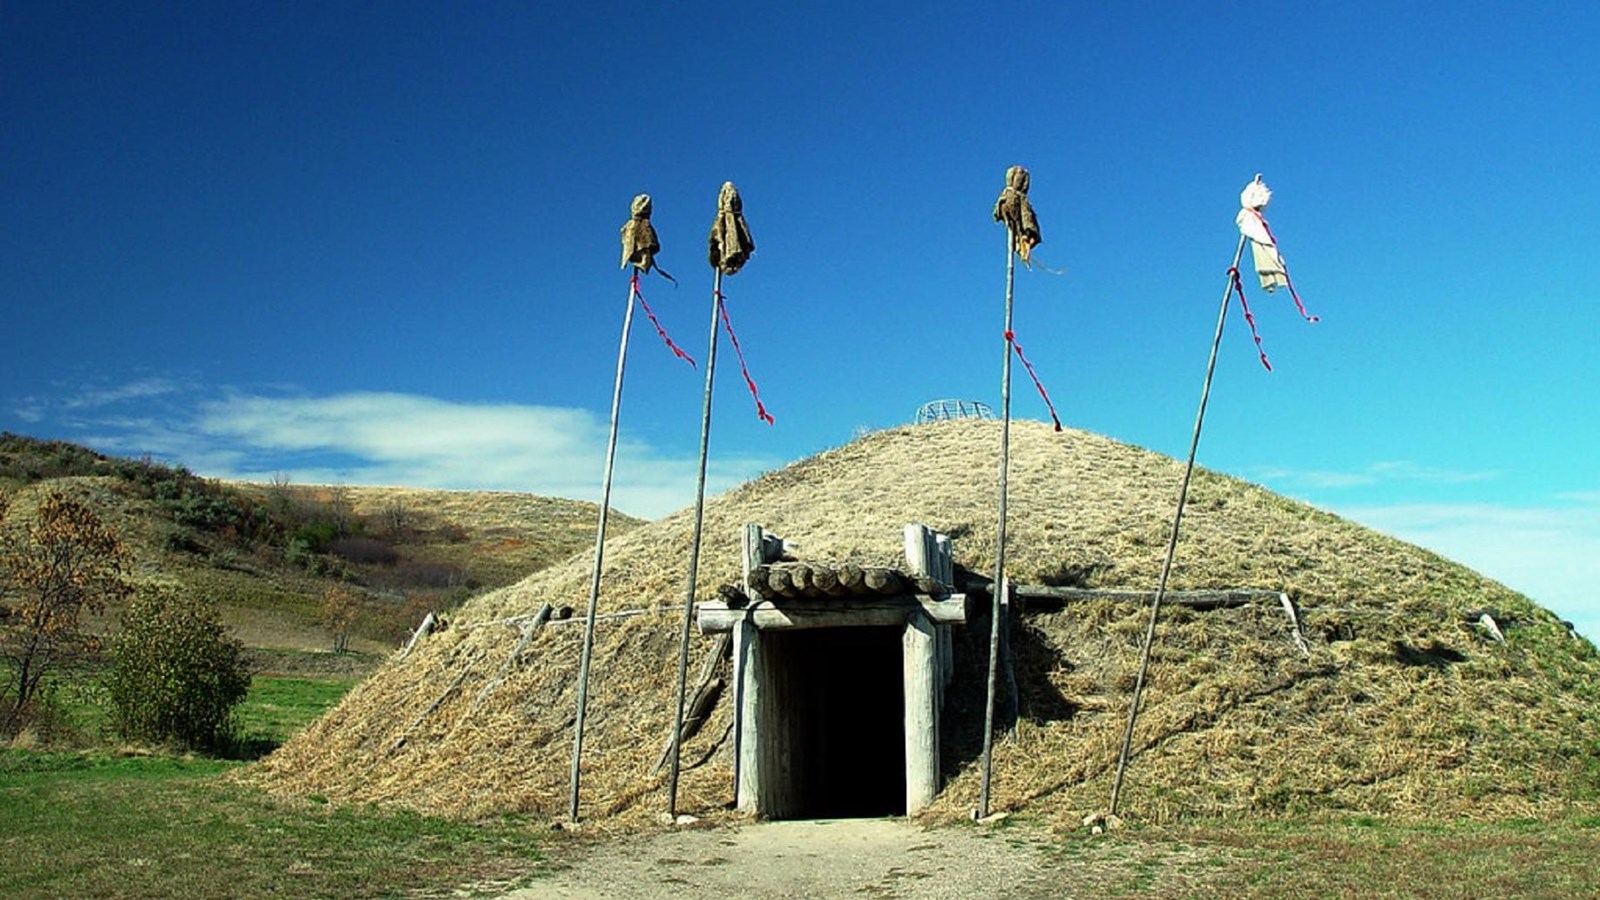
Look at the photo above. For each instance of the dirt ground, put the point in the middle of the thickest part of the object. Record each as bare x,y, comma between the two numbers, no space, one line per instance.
842,858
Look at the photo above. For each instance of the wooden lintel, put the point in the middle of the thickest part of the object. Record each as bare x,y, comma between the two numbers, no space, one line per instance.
714,617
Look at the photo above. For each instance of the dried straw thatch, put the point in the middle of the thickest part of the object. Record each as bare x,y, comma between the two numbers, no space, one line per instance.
1404,707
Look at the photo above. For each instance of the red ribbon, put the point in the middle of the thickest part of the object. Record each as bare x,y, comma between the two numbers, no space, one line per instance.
761,411
676,350
1012,340
1290,281
1238,287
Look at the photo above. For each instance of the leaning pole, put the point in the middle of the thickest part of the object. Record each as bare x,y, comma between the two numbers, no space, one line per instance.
1172,536
1273,273
639,247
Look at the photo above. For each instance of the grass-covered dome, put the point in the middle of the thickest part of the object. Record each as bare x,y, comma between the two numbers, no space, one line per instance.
1404,706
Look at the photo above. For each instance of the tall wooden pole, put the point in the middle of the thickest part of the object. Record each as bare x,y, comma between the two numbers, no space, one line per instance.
694,549
599,555
997,589
1172,537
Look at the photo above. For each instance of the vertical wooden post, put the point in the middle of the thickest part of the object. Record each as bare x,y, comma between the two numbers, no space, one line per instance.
754,547
694,547
744,635
928,553
947,564
1008,668
747,678
947,648
918,559
995,611
919,650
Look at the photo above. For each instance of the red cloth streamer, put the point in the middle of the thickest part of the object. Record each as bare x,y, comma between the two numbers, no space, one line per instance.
676,350
1238,287
1286,277
761,411
1012,340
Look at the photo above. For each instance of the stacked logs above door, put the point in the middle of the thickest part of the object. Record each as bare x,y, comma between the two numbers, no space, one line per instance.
816,581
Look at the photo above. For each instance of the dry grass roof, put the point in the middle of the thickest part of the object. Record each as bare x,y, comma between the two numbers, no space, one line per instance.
1402,709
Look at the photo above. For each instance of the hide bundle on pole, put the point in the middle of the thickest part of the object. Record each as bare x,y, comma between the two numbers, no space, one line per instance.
730,246
639,243
1014,209
1273,273
639,248
1022,234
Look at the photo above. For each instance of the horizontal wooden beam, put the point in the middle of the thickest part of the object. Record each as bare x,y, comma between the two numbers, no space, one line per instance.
1194,599
1206,599
876,611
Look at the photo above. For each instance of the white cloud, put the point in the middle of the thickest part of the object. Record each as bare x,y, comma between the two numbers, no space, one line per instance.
82,400
1551,553
140,389
1312,478
409,440
1389,473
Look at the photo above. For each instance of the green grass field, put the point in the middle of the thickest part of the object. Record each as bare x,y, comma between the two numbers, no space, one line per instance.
132,824
91,825
100,823
279,706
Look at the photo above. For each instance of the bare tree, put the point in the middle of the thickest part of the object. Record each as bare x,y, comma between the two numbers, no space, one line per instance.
339,615
396,518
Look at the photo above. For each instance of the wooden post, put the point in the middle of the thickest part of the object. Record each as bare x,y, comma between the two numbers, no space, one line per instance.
947,647
928,553
754,544
1294,623
995,612
1172,538
694,548
599,557
1008,667
947,563
919,649
423,630
916,547
746,711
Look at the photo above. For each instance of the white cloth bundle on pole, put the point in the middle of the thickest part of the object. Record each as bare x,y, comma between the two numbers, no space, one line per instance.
1263,246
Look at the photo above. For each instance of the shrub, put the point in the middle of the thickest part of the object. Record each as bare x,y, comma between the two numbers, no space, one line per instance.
178,675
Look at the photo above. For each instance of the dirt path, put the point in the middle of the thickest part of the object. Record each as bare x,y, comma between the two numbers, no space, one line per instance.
845,858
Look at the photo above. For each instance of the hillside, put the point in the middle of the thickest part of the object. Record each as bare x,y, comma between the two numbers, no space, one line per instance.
1403,707
268,553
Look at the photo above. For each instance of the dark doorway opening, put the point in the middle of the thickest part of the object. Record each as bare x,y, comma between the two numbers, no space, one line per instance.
842,702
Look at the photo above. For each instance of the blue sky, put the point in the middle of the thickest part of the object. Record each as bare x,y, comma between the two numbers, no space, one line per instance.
377,243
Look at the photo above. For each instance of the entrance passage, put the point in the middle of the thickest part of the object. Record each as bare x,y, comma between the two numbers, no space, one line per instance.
842,736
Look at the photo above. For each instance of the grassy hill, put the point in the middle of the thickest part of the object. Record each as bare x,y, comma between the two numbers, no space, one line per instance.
1403,708
268,553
